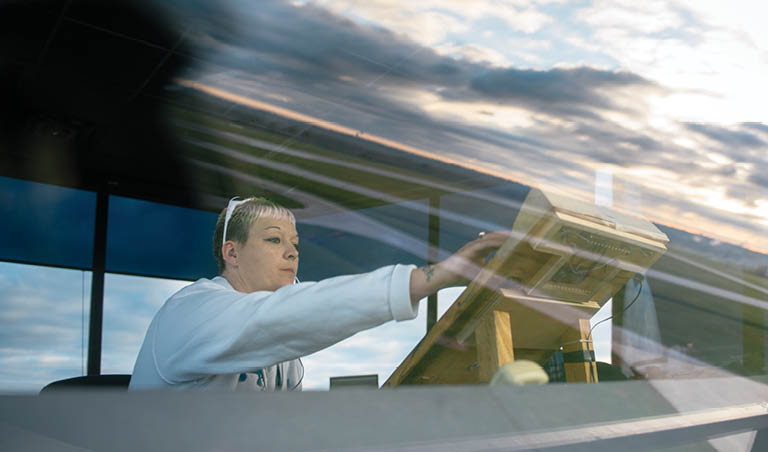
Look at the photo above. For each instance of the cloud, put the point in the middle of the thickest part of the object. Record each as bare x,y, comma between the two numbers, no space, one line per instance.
546,90
389,83
748,193
474,53
645,17
737,138
757,126
130,303
45,316
376,351
709,52
745,145
44,312
761,179
431,22
320,47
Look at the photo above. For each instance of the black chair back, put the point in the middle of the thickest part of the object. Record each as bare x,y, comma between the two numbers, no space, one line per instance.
113,382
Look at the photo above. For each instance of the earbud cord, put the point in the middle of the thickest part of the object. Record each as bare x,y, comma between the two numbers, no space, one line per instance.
639,280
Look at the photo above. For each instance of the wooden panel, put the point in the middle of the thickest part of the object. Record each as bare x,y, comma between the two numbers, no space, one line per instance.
477,300
584,247
446,363
493,339
587,257
440,345
563,261
577,341
539,323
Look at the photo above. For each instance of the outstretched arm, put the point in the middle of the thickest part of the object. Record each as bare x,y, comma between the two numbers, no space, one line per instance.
458,269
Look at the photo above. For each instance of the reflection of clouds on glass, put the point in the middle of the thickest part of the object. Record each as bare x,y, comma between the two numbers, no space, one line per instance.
130,303
376,351
584,106
44,317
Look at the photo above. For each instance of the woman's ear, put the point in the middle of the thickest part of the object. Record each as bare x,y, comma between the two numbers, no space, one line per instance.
229,253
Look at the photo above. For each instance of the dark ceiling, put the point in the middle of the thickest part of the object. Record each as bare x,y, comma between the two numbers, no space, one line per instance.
82,85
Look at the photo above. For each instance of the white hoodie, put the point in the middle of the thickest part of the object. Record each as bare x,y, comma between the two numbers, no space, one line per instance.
210,336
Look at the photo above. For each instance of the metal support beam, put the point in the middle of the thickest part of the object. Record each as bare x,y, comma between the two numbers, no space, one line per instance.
97,282
433,254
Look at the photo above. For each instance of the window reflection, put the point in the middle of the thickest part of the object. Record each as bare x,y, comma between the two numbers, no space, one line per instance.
356,241
376,351
149,238
46,224
130,303
351,242
44,316
400,114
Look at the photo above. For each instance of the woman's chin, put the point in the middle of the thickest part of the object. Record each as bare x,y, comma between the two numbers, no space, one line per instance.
284,283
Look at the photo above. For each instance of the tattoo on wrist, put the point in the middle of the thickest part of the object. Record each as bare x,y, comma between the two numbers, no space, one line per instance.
429,271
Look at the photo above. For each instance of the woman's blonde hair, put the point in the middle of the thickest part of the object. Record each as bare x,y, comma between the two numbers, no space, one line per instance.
240,222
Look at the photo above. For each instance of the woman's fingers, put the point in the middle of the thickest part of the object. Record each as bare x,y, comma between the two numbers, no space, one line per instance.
487,243
498,237
467,262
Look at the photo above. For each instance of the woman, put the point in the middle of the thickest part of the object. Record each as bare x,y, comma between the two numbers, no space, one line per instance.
247,328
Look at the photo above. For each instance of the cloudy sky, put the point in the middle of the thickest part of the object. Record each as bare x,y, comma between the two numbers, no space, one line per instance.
666,95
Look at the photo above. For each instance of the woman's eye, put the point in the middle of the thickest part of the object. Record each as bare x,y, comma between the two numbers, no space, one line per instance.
273,240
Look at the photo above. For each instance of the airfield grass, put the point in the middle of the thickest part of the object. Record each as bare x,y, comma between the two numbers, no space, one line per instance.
722,330
340,196
363,178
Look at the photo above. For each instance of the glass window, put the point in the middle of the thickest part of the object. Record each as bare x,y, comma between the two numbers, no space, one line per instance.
464,215
332,245
130,303
357,241
655,156
352,242
147,238
44,315
376,351
46,224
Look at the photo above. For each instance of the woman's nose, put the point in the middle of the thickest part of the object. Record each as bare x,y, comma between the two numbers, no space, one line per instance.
291,252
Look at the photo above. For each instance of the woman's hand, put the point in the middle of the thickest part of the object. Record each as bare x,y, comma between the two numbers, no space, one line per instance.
459,269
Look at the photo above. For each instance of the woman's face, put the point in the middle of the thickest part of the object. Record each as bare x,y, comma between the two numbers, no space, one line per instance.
269,259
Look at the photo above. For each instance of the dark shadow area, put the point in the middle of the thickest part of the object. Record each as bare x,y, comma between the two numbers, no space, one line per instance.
79,83
114,382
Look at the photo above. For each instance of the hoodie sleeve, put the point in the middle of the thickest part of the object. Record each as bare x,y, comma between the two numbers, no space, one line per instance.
208,329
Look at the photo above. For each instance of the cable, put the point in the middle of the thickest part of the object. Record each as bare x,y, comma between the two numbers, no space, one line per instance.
639,291
302,376
638,278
